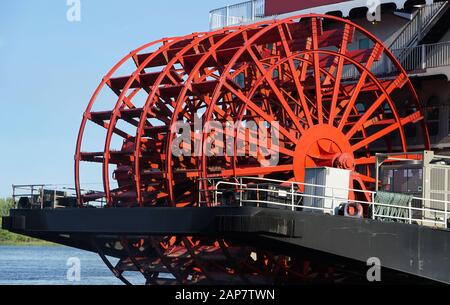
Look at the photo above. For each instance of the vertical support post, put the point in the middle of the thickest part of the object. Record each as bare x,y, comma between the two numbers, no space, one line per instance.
373,205
215,193
240,192
14,196
424,57
377,166
257,195
32,195
54,199
332,200
445,215
336,201
410,212
425,172
42,197
227,15
292,196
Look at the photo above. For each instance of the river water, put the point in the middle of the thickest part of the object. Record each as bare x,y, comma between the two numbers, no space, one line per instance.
47,265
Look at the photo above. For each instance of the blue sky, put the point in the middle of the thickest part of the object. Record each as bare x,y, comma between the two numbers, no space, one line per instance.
49,68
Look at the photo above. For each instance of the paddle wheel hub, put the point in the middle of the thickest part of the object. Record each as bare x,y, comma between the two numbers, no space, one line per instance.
322,145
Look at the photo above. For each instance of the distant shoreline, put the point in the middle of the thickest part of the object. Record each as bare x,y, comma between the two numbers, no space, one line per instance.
11,239
29,244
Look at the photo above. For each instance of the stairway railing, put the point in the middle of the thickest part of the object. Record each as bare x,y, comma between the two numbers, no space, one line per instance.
412,32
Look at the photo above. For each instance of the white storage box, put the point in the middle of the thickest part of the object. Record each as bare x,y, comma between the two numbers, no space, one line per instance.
330,185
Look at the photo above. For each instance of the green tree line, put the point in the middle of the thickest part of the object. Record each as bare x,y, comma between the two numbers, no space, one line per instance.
8,238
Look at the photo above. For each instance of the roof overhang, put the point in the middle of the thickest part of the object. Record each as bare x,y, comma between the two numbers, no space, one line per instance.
289,7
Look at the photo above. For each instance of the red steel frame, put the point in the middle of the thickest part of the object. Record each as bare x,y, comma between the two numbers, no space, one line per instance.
292,72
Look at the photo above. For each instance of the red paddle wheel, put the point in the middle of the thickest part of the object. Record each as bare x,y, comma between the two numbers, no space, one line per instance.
335,105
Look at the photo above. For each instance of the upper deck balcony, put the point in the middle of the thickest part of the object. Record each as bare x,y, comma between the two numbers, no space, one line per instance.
250,11
236,14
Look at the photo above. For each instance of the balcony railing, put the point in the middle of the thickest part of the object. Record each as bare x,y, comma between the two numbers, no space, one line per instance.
236,14
415,60
420,58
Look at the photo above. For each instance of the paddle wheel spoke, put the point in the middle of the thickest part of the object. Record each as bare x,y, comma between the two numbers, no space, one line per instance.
276,90
375,54
346,38
315,31
296,75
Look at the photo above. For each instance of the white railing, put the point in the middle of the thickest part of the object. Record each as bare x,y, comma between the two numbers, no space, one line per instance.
425,56
294,200
415,60
49,196
236,14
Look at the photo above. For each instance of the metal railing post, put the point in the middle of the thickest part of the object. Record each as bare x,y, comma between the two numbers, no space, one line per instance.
32,196
240,193
377,168
14,196
292,196
424,57
445,215
410,212
216,191
333,199
227,15
373,206
42,197
253,12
